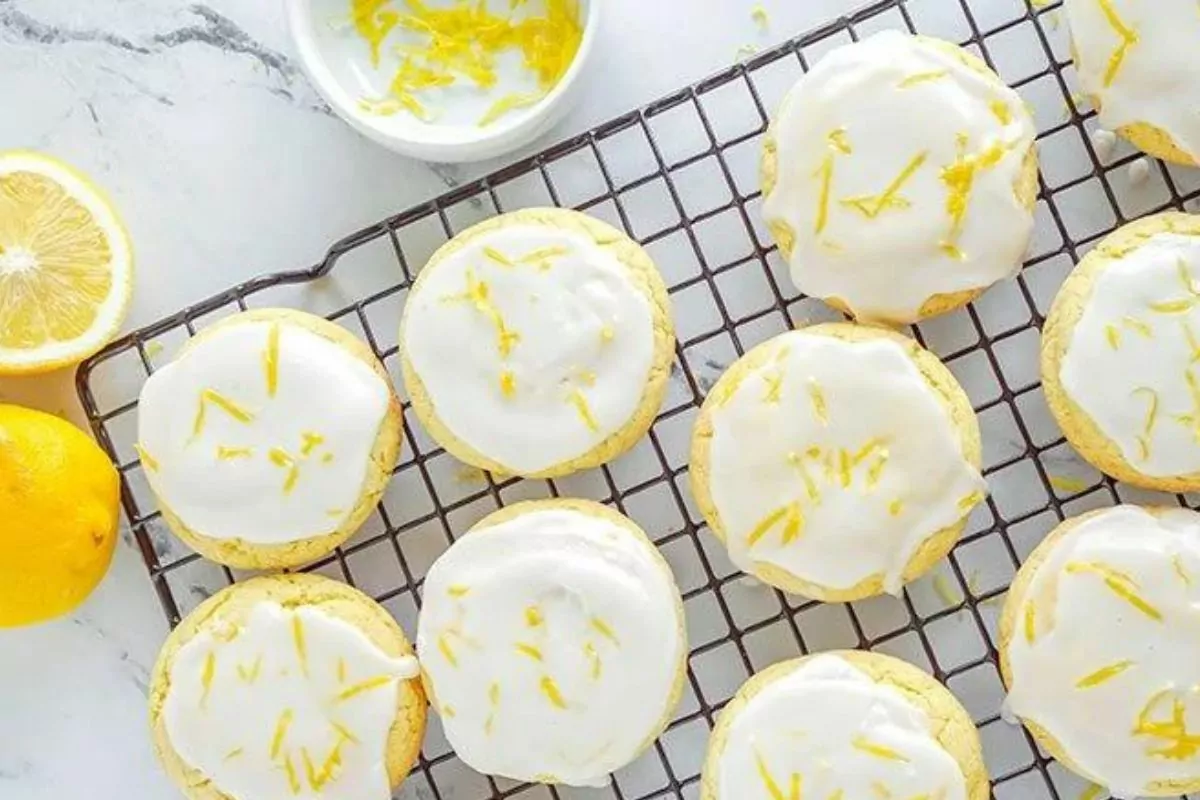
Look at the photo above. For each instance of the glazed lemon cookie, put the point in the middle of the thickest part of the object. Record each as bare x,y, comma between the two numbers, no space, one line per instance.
270,439
837,461
899,178
552,643
537,343
287,686
844,725
1137,61
1101,651
1120,350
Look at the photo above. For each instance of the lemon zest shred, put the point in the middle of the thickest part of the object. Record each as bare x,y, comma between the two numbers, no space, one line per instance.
838,141
1183,744
810,486
824,173
478,294
373,22
222,402
293,781
543,254
231,453
250,674
281,728
820,406
1119,583
607,334
923,77
1128,36
495,255
1180,570
309,442
341,670
604,629
332,762
310,769
579,400
881,751
363,686
593,657
458,590
234,753
1001,111
793,524
873,205
528,650
896,507
206,677
1103,675
1030,622
271,360
1113,336
769,782
1135,324
953,251
533,616
1193,342
443,644
1173,306
550,689
345,733
959,181
508,384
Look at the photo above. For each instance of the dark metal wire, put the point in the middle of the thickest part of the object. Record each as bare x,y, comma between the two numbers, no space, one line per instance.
1029,780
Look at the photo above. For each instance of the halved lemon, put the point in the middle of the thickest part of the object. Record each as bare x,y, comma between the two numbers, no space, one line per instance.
66,265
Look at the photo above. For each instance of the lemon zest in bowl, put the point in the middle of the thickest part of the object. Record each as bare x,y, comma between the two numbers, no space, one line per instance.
462,42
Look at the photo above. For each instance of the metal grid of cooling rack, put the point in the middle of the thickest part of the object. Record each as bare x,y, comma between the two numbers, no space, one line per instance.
681,177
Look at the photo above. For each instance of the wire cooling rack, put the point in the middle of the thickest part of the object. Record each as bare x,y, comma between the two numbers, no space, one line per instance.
681,176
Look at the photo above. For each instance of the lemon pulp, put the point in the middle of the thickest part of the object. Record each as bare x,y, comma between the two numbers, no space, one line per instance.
55,263
66,266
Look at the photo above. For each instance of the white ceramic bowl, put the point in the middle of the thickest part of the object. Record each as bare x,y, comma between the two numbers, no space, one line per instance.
337,61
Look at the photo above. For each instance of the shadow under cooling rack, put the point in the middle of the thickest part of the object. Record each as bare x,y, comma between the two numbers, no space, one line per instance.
680,176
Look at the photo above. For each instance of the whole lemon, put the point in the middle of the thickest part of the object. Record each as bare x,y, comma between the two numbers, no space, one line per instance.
58,516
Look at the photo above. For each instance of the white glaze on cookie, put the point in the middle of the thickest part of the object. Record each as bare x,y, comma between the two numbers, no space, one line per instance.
835,461
296,703
1133,360
1105,655
552,643
896,166
263,431
830,730
533,343
1139,60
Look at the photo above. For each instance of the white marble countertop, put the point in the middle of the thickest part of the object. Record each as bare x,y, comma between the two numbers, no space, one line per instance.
226,164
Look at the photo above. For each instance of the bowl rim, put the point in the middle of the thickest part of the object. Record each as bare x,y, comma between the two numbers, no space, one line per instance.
443,141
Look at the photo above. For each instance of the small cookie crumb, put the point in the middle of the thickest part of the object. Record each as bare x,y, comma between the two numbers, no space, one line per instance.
761,18
1104,142
1139,172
